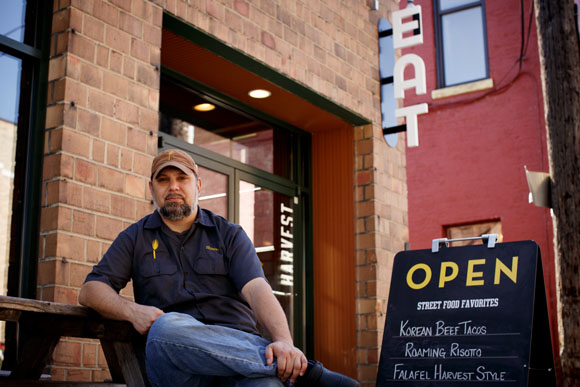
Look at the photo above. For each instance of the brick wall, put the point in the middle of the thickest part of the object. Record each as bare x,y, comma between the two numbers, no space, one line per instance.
102,123
100,140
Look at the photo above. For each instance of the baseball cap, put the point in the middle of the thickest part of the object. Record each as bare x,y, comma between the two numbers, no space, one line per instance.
173,158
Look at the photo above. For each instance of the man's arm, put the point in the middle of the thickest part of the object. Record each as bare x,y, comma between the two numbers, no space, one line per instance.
291,361
102,298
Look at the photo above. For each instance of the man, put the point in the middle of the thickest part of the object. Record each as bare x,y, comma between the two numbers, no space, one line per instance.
199,288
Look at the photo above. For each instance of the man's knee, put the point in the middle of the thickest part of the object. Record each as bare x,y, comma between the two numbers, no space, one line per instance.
170,325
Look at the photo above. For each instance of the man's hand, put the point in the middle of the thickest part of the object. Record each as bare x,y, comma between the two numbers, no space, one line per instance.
102,298
291,361
143,316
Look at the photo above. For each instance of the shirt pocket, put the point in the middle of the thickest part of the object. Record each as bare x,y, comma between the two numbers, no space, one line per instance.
160,265
210,263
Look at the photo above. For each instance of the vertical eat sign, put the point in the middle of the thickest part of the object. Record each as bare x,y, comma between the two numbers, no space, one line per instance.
419,82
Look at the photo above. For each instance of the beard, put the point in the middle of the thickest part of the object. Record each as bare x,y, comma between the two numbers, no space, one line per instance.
175,211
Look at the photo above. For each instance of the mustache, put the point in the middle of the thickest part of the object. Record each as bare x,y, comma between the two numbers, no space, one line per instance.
174,195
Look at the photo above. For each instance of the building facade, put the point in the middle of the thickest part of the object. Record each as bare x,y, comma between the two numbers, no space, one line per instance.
103,85
485,125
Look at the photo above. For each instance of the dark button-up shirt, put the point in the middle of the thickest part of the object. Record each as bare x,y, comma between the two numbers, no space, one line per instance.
200,273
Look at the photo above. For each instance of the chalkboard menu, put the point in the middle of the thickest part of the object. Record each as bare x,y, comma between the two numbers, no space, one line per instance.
465,315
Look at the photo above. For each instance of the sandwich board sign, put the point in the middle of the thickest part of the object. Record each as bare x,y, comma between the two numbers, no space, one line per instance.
467,315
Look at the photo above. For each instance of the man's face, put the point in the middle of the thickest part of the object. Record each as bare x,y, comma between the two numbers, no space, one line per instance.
175,193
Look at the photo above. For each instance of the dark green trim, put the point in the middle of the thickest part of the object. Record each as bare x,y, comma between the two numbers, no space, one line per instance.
18,49
34,162
202,39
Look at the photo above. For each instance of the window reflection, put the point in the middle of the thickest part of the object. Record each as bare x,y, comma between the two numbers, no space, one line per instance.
10,69
214,188
464,46
12,15
268,219
224,131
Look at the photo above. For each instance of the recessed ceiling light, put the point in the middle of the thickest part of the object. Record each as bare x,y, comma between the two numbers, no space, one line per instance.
259,93
204,107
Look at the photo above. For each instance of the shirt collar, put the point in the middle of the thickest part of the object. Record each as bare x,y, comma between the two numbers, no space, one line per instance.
204,219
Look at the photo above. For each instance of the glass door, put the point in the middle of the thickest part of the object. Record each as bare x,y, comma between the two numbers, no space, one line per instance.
267,217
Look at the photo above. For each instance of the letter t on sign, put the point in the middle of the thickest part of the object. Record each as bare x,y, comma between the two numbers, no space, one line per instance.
419,83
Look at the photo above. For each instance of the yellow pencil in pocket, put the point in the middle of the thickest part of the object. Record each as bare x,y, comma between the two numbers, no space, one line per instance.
155,245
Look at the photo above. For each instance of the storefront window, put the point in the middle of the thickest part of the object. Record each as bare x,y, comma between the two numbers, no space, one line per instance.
268,219
12,19
223,130
10,79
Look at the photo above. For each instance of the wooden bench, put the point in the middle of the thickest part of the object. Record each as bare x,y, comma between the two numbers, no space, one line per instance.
41,324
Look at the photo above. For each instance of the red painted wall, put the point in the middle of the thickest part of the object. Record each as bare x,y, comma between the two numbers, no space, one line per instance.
469,166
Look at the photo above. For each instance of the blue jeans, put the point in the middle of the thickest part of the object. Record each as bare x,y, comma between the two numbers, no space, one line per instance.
181,351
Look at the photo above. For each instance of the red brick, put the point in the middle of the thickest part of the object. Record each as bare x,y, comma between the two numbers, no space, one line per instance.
135,186
126,159
73,66
116,62
93,252
89,122
91,75
55,218
127,112
67,353
138,94
57,165
84,5
152,35
108,228
124,4
70,246
111,179
113,131
115,84
57,68
78,375
142,165
83,223
113,155
131,24
364,177
76,92
78,273
96,200
140,50
137,139
76,143
117,39
90,354
98,151
101,375
54,116
129,67
123,207
106,12
103,56
85,172
60,21
82,47
147,75
101,102
242,7
143,208
149,119
94,28
52,272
